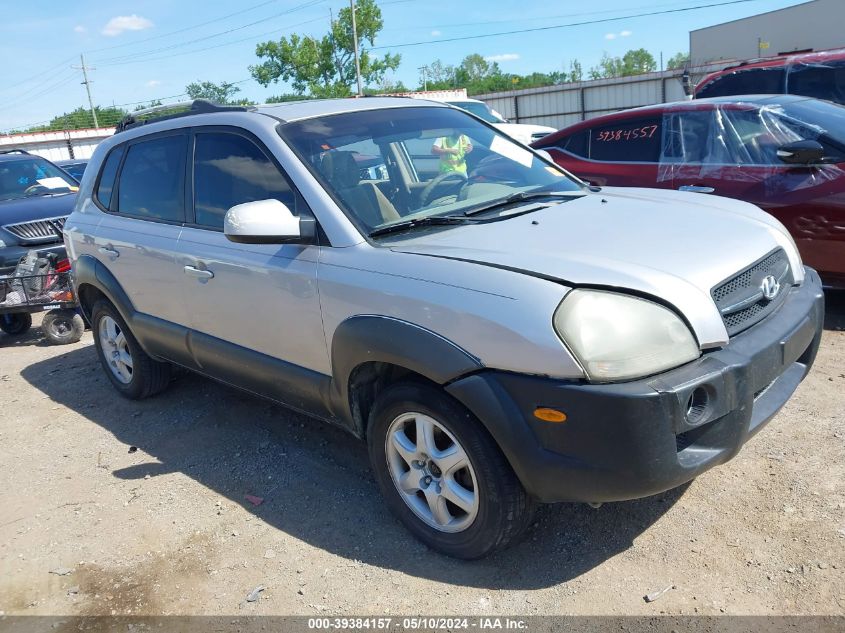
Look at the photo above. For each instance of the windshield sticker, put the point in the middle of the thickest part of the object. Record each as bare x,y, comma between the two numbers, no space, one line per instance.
511,150
53,183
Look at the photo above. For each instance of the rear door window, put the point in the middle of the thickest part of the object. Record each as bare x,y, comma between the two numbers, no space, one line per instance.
634,140
230,169
820,81
151,184
754,81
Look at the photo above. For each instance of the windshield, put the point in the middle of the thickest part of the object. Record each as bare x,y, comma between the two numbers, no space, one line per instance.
390,166
479,109
32,176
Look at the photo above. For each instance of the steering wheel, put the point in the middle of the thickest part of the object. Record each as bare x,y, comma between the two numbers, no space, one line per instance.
427,194
34,188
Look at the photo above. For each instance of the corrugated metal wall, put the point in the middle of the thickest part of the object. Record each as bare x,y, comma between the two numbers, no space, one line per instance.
565,104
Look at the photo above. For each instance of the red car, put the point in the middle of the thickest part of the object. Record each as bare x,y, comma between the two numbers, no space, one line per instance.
819,75
783,153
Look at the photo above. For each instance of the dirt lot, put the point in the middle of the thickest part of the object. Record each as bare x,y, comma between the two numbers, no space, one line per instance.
90,526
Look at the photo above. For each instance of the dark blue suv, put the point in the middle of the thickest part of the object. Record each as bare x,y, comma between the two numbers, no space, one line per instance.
35,199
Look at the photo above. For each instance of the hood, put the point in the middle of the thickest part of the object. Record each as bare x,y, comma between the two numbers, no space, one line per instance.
36,208
674,246
523,132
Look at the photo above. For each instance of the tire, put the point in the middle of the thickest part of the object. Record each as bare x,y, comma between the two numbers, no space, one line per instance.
15,323
62,327
495,508
131,371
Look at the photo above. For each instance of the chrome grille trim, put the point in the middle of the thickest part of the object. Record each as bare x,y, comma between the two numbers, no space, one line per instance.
741,300
38,231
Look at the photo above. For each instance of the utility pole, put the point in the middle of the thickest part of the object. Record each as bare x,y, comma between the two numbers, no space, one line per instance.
87,85
424,71
355,44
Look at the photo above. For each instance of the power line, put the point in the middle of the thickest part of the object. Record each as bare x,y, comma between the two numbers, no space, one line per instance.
208,48
562,26
120,58
41,74
183,30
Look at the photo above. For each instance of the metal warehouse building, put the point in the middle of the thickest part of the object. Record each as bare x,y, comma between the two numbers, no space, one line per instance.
810,26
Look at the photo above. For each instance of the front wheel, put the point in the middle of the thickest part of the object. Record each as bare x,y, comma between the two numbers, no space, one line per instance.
62,327
443,475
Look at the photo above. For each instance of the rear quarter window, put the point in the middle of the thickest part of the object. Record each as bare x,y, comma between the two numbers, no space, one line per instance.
636,140
105,185
745,82
820,81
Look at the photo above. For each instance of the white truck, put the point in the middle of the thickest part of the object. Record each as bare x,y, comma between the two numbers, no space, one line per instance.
522,132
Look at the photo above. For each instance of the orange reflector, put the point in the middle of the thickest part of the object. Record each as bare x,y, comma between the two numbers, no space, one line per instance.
549,415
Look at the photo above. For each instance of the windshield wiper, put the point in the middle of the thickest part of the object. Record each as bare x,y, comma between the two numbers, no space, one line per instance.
521,196
431,220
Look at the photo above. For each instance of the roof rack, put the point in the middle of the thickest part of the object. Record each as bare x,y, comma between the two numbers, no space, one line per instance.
173,111
14,150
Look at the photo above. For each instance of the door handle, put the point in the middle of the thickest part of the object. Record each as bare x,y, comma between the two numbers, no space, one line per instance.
199,273
696,188
110,251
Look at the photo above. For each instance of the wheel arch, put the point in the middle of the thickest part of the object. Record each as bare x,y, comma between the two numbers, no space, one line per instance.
370,352
94,282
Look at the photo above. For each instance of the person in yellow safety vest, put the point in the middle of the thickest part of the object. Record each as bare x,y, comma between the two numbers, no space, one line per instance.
452,151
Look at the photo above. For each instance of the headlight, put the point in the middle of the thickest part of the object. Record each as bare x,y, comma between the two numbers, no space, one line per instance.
618,337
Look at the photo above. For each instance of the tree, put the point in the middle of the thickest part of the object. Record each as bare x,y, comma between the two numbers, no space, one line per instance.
474,68
325,67
576,72
634,62
638,61
221,93
678,60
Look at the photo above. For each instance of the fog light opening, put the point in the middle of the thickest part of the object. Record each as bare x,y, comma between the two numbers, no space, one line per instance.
697,405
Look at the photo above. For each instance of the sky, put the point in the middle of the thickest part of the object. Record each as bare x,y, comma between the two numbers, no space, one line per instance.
142,50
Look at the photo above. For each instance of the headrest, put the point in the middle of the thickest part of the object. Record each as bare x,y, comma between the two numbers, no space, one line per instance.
341,169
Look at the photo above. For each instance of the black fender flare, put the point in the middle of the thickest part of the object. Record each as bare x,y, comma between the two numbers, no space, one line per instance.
88,270
374,338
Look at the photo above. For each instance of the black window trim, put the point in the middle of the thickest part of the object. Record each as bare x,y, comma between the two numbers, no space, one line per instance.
190,208
95,192
116,189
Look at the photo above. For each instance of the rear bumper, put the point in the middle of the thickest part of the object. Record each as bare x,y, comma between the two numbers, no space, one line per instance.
10,255
629,440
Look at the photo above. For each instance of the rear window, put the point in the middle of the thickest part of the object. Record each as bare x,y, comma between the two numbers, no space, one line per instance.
745,82
636,140
151,184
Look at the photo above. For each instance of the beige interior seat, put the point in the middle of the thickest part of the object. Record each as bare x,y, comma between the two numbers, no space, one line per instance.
364,199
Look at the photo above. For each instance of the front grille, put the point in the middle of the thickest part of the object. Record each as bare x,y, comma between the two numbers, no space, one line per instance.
38,231
741,300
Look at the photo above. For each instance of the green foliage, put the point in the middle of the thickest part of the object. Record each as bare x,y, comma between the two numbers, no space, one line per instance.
143,106
480,76
79,119
634,62
678,60
221,93
325,67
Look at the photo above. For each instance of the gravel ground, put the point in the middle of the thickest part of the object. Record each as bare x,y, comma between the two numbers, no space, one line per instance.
116,507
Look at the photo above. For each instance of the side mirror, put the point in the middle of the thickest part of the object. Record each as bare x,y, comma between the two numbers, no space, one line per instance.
266,222
802,153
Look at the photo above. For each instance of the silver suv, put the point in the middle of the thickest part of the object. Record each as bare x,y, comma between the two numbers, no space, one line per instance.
498,332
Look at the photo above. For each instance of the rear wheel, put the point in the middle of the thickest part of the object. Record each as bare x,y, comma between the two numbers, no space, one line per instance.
16,323
62,327
131,371
443,475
